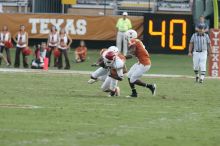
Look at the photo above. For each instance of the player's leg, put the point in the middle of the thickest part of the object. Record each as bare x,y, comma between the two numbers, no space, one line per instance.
132,85
202,64
125,45
114,89
196,65
95,76
119,41
106,84
135,78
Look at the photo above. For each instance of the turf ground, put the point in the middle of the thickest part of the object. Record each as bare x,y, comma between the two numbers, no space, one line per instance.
48,109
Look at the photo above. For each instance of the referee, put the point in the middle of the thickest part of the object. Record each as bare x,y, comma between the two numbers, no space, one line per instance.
199,47
123,25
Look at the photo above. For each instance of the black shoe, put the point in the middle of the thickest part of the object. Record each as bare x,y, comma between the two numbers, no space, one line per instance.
197,79
133,95
152,88
67,68
201,81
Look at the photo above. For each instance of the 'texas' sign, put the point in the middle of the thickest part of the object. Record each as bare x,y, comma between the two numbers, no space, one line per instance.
214,60
72,26
78,27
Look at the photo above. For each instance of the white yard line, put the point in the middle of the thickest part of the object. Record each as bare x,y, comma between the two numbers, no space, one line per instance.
19,106
12,70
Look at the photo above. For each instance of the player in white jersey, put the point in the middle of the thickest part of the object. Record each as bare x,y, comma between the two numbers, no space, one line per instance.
52,43
5,38
199,46
116,69
64,44
21,39
102,71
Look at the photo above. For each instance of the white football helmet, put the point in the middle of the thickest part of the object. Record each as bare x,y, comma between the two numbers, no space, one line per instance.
131,34
113,49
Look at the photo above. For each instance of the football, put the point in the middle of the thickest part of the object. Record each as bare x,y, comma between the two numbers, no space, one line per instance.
113,73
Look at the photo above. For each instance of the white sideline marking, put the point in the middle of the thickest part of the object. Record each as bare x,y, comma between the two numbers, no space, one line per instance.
12,70
19,106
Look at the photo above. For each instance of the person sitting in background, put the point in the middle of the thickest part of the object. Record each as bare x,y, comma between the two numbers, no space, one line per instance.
202,23
40,54
81,52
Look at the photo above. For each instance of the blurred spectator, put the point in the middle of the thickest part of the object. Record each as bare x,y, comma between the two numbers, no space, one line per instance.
52,43
5,38
64,44
21,39
123,25
202,23
81,52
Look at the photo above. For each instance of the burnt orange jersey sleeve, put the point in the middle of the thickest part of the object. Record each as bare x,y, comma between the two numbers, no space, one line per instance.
140,52
122,57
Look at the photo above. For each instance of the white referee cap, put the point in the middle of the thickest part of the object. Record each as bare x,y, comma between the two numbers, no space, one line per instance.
125,14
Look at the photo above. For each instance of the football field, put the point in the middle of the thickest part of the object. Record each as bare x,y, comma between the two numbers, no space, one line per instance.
61,109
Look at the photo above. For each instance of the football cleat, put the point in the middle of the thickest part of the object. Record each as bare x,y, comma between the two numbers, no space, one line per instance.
91,81
152,88
201,81
133,95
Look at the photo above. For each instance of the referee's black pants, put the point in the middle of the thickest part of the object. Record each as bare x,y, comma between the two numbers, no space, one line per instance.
17,58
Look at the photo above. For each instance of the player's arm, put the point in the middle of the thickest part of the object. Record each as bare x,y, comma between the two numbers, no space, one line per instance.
118,75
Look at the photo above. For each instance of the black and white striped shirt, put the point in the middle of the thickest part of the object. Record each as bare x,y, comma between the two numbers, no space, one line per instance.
200,42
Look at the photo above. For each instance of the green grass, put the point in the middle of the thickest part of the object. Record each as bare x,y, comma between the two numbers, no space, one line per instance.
161,64
74,113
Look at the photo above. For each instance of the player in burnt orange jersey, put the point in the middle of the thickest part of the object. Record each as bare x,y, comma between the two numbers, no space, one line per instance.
137,49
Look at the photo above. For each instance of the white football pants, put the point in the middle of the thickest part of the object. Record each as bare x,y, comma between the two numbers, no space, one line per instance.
136,71
199,61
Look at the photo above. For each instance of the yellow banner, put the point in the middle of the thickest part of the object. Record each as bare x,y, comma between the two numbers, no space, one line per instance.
69,2
78,27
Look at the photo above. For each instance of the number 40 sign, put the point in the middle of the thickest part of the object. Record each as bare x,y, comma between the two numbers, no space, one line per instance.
167,31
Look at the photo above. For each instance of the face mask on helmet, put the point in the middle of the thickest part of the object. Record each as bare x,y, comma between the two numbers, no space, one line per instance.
109,58
131,34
